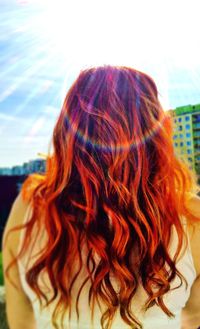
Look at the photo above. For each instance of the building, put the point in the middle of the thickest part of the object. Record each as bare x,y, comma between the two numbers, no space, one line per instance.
33,166
5,171
186,135
17,171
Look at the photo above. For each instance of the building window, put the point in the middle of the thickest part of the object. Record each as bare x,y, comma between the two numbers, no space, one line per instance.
187,118
180,128
175,144
190,159
181,143
181,135
175,120
187,126
188,143
188,135
175,136
189,151
179,119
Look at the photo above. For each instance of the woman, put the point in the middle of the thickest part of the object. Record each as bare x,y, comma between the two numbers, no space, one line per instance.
108,236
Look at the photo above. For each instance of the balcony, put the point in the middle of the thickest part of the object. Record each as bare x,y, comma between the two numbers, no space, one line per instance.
196,126
196,118
196,134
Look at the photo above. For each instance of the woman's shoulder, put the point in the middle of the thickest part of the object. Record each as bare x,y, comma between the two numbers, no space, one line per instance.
193,205
15,219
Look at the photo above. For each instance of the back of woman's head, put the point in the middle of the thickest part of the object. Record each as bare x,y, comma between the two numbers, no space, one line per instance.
114,185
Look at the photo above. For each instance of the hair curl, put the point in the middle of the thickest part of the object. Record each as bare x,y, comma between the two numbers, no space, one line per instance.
114,184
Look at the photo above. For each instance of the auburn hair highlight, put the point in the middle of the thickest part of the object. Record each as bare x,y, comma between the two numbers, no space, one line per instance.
114,185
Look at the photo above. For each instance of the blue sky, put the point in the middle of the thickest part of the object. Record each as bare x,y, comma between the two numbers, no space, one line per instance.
42,49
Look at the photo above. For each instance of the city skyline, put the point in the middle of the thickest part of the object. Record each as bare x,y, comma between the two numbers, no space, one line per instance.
39,60
29,167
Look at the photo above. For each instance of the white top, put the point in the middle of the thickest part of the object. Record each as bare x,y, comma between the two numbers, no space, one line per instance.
153,318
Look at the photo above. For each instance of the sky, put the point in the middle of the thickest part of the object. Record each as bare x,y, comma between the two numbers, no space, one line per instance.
44,45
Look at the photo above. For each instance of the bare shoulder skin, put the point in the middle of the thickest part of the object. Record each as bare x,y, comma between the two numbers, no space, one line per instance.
191,312
18,307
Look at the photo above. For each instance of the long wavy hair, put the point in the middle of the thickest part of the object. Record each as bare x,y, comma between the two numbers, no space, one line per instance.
114,185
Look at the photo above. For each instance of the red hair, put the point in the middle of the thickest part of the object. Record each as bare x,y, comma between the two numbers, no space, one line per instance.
114,184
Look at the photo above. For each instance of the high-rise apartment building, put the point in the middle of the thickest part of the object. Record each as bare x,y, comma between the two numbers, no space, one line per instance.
186,135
